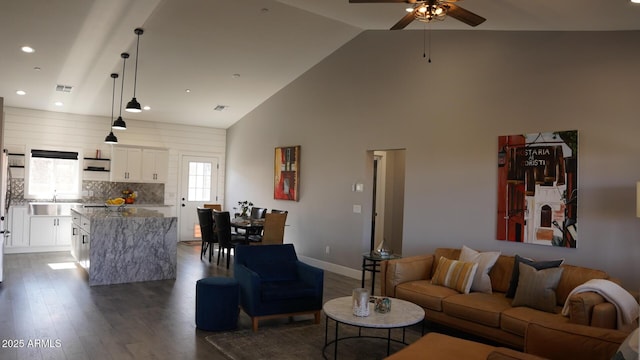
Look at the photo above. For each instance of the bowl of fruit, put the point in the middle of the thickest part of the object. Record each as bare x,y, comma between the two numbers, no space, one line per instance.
115,202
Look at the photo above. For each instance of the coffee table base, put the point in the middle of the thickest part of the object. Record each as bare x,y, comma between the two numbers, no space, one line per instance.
337,339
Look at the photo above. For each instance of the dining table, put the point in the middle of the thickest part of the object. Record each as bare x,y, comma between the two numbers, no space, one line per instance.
250,226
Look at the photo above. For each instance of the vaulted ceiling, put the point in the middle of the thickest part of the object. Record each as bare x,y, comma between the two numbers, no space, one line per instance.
196,55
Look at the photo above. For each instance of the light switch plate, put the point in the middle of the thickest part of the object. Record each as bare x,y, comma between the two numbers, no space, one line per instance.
357,209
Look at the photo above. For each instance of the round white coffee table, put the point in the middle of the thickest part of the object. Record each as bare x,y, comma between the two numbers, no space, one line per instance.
403,314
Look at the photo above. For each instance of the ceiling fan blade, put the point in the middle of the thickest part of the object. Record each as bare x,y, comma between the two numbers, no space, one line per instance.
406,20
463,15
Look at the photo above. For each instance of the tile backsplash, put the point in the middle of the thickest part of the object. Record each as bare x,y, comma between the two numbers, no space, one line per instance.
99,191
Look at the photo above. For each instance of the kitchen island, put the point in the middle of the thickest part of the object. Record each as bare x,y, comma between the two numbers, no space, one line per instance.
123,245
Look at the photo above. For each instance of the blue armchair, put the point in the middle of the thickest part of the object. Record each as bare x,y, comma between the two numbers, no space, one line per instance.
274,283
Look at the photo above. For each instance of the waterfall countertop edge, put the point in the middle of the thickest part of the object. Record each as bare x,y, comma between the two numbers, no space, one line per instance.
123,212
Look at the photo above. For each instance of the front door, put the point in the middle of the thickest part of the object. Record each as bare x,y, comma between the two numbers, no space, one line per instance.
198,186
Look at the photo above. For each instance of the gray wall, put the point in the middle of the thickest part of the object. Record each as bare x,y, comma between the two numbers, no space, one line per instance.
378,92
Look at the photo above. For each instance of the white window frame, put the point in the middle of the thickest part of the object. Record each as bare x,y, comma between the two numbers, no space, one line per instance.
74,195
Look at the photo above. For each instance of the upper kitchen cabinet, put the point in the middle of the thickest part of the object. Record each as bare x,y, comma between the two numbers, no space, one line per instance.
126,164
155,164
137,164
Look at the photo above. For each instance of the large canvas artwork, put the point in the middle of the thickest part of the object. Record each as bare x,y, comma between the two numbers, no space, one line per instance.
538,188
287,173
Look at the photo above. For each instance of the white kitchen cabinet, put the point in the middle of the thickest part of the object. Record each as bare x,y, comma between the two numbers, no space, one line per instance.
50,231
80,243
19,227
126,163
155,164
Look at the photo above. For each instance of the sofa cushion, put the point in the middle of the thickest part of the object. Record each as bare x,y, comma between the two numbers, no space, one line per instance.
500,273
515,320
478,307
424,293
436,346
281,290
503,353
538,265
485,261
274,271
449,253
454,274
537,288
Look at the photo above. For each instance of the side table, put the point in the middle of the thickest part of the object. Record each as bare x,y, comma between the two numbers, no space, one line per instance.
371,263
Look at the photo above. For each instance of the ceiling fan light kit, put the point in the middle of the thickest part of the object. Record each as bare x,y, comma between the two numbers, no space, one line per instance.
429,10
134,105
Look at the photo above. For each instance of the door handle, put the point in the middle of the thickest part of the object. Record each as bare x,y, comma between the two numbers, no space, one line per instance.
183,205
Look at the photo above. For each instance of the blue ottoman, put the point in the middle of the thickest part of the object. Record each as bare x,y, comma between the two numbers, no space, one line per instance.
217,303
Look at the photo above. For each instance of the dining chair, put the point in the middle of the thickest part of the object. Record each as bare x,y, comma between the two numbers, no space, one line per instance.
226,240
273,230
216,207
257,213
209,238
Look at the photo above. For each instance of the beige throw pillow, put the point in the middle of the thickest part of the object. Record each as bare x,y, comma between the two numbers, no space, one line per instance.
485,261
537,288
454,274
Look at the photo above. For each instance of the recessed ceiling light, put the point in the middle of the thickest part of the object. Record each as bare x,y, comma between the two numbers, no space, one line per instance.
187,90
147,107
236,76
220,107
21,92
58,103
37,68
28,49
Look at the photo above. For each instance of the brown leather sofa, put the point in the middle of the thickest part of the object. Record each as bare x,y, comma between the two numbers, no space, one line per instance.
491,316
554,341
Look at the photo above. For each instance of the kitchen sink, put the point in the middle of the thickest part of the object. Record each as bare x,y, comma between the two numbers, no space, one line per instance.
52,209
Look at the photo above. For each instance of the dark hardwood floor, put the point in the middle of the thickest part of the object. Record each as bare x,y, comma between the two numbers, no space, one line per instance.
54,314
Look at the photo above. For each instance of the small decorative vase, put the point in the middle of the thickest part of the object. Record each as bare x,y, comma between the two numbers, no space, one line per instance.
383,305
360,298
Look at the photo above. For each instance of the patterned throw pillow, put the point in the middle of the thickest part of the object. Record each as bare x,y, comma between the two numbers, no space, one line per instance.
538,265
454,274
485,261
537,288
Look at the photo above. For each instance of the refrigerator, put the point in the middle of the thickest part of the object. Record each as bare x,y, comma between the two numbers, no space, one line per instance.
5,192
5,202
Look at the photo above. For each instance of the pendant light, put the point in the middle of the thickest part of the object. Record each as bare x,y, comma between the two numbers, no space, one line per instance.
112,139
119,124
134,105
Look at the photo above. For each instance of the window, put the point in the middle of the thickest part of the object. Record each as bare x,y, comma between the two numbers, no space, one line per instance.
53,173
199,181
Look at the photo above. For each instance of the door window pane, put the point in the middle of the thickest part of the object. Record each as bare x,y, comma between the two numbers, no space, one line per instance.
199,181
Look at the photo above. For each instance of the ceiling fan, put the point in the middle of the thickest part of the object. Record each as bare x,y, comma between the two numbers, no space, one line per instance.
429,10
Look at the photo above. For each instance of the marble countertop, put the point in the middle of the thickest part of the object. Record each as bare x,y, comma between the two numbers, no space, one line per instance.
122,212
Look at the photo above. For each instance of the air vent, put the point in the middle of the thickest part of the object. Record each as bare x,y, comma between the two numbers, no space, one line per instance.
64,88
220,107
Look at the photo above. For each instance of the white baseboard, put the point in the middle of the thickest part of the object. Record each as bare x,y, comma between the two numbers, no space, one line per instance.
338,269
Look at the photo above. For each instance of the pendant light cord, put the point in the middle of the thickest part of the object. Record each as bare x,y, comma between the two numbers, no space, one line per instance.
124,62
135,77
424,41
113,97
